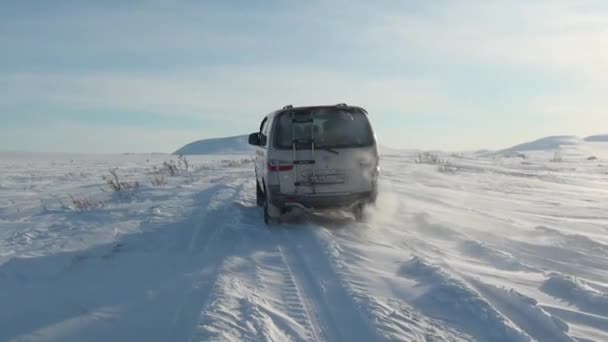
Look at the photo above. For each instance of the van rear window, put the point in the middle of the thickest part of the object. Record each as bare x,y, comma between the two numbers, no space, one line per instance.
332,128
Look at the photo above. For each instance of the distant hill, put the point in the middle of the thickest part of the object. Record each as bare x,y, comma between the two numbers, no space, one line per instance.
597,138
568,146
239,145
547,143
550,143
229,145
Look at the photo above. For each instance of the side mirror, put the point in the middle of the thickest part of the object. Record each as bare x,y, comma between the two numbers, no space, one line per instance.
254,139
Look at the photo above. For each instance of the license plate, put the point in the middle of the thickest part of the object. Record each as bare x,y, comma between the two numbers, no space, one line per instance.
327,179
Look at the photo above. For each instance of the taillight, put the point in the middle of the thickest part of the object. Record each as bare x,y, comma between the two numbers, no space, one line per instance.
279,168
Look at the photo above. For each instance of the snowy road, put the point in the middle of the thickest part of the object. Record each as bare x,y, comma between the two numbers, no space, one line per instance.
481,249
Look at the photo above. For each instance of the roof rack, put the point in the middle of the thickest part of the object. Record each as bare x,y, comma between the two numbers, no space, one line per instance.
288,107
341,105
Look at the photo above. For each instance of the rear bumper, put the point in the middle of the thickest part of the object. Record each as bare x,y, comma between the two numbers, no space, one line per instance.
322,201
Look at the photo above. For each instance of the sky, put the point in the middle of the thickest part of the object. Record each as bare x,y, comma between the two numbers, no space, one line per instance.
151,76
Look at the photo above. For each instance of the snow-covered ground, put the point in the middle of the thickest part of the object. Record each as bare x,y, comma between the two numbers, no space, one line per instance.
492,248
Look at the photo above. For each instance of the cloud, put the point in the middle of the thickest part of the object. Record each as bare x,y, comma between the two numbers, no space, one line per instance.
81,138
559,36
221,92
580,113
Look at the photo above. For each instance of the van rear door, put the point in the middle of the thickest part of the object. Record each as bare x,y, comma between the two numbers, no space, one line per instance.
332,149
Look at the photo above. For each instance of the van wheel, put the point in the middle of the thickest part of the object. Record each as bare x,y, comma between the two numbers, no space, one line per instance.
271,213
266,214
359,212
259,195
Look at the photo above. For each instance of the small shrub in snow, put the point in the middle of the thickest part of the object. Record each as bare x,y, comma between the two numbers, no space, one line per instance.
114,182
173,169
170,168
226,163
428,158
183,163
434,159
592,158
158,180
82,203
557,157
235,163
447,167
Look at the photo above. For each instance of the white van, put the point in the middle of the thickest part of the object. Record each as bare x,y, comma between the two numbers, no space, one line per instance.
315,158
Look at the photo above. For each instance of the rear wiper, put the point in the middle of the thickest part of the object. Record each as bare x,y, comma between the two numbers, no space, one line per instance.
327,149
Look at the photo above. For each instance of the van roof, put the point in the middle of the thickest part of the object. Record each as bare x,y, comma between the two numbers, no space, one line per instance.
340,105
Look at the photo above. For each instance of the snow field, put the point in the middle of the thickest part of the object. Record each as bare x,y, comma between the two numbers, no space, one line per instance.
490,248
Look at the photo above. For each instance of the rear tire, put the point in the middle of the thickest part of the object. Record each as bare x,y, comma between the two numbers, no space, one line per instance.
271,213
374,198
267,218
359,212
259,195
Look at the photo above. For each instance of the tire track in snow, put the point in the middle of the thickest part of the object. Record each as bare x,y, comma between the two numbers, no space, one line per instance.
321,288
218,207
256,296
292,298
204,256
298,301
243,305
